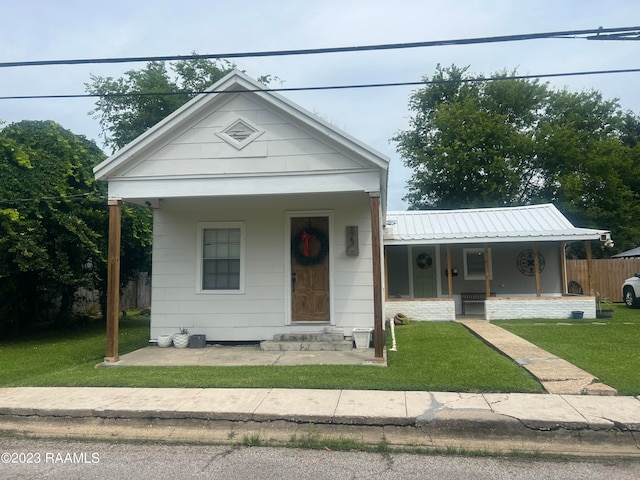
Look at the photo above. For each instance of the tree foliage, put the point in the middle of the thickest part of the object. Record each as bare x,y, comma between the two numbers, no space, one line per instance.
472,142
54,224
50,210
129,105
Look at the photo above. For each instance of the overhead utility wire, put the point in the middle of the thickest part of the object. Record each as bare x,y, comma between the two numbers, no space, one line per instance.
620,33
328,87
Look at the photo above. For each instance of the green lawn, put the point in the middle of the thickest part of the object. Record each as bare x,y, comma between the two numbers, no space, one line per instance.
607,348
431,356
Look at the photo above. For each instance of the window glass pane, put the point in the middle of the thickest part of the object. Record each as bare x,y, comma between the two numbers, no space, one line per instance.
221,258
222,250
234,235
475,263
234,251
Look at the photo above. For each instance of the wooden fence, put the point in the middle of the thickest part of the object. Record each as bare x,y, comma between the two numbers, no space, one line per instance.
608,274
136,295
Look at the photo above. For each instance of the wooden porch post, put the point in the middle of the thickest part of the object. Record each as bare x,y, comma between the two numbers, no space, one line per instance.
378,343
536,268
450,275
487,273
592,287
113,280
563,267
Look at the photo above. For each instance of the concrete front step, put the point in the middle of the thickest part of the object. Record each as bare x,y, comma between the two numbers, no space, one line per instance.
306,346
309,337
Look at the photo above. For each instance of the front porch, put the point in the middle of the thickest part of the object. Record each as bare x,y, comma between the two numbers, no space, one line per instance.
500,263
242,355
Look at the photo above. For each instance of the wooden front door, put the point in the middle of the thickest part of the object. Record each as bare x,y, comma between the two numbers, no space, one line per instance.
310,269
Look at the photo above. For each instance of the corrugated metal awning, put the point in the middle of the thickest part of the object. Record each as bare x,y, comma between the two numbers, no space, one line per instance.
491,225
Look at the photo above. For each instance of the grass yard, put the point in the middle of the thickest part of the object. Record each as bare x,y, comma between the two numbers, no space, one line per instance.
607,348
431,356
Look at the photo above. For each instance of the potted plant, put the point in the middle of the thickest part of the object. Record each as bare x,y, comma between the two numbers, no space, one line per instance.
604,309
181,339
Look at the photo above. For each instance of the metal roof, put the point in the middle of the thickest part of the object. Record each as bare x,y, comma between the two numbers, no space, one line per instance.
634,252
491,225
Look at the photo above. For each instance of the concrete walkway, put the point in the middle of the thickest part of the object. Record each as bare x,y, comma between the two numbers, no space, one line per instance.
555,374
431,420
227,356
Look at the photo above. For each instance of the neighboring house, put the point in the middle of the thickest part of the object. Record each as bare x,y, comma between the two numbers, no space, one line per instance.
512,257
263,217
633,253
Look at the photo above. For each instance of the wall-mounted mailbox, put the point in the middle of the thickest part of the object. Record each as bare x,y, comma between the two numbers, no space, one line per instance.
352,241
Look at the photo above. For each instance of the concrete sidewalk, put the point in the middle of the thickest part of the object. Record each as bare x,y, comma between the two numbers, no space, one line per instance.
541,423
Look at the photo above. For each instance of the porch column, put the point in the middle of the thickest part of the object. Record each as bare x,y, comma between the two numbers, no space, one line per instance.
450,273
536,268
563,267
487,273
113,280
374,198
592,287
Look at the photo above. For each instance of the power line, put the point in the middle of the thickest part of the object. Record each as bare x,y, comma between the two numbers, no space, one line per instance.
327,87
619,33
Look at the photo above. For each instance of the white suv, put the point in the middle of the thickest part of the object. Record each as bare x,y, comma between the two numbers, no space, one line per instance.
631,291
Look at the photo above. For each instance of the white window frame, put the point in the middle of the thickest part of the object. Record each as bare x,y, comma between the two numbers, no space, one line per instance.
475,276
202,226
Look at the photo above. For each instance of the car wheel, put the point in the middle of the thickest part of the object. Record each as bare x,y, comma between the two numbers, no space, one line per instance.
630,298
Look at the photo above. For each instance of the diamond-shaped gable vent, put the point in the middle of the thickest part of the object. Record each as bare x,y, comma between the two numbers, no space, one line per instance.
240,133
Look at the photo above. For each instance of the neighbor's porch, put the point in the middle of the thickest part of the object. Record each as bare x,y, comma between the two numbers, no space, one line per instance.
492,281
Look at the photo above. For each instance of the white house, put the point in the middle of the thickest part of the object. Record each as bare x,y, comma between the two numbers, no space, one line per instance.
263,217
505,263
269,220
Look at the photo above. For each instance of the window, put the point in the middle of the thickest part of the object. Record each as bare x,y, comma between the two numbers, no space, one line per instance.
220,261
474,263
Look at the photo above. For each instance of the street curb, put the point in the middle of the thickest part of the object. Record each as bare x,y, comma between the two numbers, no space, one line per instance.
450,432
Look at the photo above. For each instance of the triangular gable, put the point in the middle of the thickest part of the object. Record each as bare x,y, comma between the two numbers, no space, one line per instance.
239,130
487,225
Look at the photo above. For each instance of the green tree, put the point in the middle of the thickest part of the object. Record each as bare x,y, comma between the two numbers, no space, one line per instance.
54,225
129,105
472,142
50,209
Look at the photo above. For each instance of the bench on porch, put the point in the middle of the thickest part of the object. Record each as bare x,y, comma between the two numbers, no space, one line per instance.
473,297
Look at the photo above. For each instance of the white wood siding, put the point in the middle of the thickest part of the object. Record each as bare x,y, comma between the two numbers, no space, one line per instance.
260,312
199,151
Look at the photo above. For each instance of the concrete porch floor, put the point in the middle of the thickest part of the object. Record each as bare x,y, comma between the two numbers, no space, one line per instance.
227,356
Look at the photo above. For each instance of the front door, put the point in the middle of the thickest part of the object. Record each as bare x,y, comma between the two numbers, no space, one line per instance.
424,272
310,269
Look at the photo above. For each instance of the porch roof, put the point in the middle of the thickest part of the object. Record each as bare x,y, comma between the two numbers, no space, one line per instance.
541,223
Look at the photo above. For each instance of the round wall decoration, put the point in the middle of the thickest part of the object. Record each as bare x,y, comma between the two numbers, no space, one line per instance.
310,246
526,264
424,261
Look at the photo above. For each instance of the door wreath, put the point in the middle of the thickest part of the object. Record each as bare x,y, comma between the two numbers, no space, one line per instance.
301,246
424,261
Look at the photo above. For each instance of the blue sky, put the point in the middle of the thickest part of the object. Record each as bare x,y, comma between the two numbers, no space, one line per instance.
43,30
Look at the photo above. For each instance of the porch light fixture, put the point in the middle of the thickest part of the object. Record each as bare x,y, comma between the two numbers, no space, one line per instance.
353,249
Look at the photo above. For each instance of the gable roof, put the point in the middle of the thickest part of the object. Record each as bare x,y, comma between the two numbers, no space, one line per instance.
491,225
117,166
